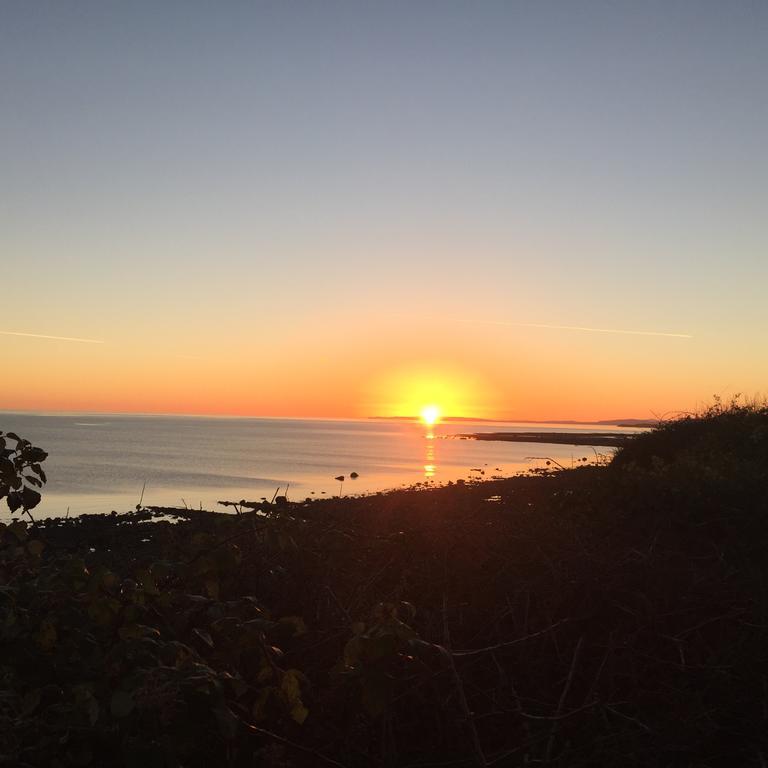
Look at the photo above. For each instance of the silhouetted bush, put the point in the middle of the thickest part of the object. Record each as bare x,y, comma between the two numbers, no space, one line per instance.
20,472
603,616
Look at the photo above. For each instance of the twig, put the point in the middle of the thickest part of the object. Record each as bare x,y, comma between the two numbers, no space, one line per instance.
562,716
596,681
499,646
341,607
544,458
563,697
292,744
221,543
628,717
732,615
479,754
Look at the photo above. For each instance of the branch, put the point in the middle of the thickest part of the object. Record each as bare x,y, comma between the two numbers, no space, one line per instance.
254,729
499,646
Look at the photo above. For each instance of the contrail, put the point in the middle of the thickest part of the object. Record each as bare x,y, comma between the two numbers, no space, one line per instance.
583,328
55,338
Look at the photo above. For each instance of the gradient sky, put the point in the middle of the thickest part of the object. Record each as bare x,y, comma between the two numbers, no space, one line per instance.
344,209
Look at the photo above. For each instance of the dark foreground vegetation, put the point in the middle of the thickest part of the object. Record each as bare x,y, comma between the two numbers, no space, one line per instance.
604,616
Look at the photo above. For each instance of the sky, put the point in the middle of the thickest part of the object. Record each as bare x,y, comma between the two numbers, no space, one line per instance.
533,210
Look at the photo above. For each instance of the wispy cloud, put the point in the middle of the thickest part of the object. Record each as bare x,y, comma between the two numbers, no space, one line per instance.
666,334
54,338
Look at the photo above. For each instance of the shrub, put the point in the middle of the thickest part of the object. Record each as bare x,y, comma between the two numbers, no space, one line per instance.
20,472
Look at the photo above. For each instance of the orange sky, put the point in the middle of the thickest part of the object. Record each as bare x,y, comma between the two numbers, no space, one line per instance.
343,210
391,368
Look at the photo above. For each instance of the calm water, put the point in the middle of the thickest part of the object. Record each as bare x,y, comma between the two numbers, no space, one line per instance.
98,463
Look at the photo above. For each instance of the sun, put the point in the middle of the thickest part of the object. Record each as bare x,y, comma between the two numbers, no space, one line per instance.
430,414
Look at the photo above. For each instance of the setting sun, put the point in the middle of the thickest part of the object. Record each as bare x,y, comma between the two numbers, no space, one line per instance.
430,392
430,414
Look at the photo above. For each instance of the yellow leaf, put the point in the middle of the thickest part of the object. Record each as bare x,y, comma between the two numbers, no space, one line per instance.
260,705
291,687
299,713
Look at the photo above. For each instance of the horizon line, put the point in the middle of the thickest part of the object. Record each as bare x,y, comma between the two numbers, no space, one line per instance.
415,417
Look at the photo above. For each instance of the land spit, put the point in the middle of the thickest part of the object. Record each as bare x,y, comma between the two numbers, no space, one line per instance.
604,439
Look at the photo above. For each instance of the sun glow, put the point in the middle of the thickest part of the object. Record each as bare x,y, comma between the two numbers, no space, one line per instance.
430,414
430,394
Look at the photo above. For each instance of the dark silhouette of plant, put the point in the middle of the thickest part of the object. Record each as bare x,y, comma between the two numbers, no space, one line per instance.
608,616
20,472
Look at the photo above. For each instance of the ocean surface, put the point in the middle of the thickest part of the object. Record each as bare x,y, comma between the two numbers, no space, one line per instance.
99,463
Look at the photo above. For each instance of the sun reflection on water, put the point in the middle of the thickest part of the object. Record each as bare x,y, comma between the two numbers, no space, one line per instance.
430,467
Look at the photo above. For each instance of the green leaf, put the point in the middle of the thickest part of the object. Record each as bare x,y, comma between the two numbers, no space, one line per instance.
7,470
375,648
30,498
18,529
35,455
296,622
260,625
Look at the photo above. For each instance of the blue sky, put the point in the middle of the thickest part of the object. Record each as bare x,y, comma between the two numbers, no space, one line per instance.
231,180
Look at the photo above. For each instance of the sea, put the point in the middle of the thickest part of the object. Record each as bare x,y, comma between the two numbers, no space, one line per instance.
98,463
